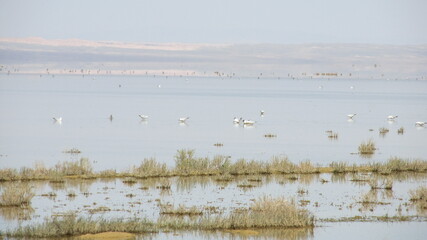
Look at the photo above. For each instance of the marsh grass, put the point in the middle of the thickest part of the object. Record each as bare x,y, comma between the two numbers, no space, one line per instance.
270,135
72,151
70,225
263,213
167,209
16,195
332,135
367,148
81,168
418,197
187,164
400,131
150,168
383,131
386,184
224,178
267,212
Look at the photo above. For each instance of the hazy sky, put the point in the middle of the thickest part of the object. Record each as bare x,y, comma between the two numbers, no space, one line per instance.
219,21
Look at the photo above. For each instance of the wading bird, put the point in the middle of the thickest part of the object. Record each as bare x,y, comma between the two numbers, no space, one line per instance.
58,120
421,124
351,115
183,119
143,117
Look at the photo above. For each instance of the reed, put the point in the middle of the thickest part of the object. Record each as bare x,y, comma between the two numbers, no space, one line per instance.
367,148
418,197
179,211
16,195
187,164
264,213
81,167
150,168
419,194
70,225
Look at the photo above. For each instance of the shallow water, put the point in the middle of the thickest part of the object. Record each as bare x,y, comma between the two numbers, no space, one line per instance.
113,198
355,230
297,111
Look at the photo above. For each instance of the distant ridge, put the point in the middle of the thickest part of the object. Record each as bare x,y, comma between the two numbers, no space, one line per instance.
75,56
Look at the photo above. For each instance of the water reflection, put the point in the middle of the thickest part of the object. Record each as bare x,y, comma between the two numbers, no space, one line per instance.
287,234
16,213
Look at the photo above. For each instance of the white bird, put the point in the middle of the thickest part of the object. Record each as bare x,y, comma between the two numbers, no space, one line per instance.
392,117
183,119
351,115
248,122
421,124
236,120
143,117
262,113
58,120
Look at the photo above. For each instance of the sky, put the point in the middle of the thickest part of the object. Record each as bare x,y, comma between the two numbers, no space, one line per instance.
399,22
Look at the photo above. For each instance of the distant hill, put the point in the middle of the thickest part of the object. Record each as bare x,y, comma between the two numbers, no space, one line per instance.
74,56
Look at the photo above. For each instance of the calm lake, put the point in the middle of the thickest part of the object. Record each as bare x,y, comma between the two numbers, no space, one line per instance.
297,112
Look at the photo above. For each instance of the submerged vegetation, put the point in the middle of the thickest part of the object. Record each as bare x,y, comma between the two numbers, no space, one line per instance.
187,164
262,214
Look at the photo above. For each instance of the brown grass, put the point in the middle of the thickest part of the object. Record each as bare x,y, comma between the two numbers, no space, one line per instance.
367,148
16,195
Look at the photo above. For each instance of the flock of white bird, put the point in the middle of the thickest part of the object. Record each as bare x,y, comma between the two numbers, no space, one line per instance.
246,122
390,118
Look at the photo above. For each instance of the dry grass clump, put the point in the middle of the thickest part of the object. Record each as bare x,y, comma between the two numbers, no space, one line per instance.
419,198
72,151
386,184
81,167
396,164
400,131
339,167
265,212
150,168
332,135
367,148
383,131
418,194
270,135
70,225
187,164
16,195
167,209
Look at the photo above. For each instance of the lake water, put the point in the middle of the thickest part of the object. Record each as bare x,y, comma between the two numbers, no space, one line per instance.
112,199
297,111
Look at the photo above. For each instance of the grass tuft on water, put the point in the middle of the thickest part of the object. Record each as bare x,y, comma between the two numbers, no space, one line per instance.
16,195
367,148
264,213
